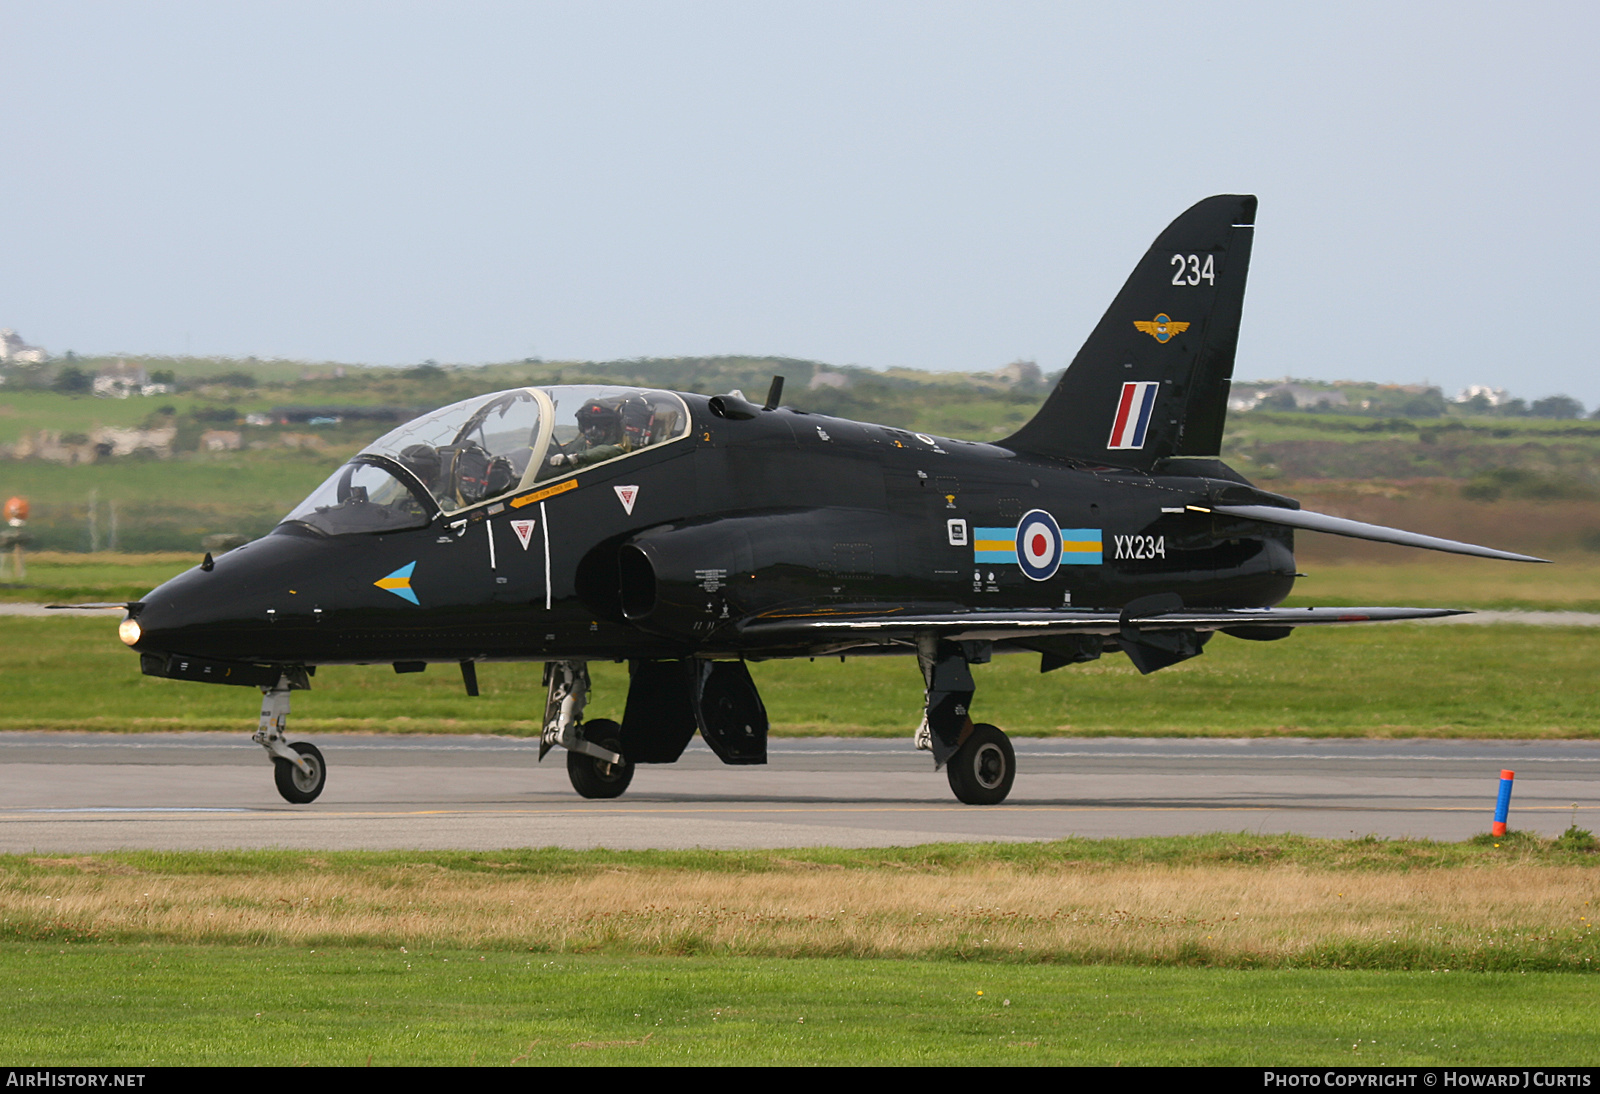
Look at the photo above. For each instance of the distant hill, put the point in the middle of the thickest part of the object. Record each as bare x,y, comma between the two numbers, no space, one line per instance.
234,444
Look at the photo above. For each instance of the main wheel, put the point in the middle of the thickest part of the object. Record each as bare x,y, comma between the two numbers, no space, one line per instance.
595,778
982,771
295,785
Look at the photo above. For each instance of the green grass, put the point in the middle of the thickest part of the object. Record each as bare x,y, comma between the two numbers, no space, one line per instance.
98,1005
87,997
1572,584
24,412
72,578
1505,681
1517,903
163,505
1365,855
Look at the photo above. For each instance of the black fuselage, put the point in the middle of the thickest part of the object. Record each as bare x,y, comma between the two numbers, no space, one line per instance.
786,512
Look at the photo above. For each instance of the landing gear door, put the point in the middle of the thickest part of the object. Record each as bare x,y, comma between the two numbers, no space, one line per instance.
729,711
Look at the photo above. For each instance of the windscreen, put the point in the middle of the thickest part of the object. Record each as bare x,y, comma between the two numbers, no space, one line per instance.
361,497
489,446
469,451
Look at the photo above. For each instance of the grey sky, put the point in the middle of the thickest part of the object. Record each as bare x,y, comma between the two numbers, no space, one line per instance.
935,185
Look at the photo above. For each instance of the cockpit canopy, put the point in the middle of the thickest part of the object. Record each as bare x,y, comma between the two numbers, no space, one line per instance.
487,447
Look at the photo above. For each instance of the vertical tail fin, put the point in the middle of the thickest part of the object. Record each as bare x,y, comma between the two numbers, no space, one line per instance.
1152,380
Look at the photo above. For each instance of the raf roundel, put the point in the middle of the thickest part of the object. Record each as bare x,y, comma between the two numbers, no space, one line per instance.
1038,545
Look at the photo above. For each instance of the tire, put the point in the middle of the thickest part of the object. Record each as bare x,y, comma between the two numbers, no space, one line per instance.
592,777
295,786
982,771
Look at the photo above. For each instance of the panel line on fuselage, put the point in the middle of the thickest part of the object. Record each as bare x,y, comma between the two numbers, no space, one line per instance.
544,523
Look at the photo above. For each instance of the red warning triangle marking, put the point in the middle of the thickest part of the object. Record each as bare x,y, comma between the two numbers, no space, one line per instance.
524,530
626,495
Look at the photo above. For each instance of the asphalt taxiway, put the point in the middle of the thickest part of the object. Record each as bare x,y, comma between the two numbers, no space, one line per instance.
81,792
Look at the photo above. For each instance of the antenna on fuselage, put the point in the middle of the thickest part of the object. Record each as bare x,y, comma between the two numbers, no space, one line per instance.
774,393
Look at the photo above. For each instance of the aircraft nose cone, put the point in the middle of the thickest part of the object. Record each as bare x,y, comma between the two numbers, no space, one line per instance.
244,608
194,613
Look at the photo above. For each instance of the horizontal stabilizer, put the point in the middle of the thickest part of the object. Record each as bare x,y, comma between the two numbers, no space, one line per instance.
1338,526
1033,623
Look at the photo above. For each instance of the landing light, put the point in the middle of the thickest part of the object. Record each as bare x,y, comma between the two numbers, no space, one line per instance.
128,631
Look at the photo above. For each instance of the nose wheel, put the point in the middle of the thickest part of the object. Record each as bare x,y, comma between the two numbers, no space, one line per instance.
295,784
297,768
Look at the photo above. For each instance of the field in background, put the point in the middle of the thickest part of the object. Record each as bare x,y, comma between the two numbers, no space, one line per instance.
1477,681
71,577
1525,484
1429,579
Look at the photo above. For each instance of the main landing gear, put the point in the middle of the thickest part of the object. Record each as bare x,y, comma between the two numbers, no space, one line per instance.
718,699
978,758
594,749
298,768
983,767
668,701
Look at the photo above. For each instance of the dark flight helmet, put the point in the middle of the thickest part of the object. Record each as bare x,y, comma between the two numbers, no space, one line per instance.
422,460
600,423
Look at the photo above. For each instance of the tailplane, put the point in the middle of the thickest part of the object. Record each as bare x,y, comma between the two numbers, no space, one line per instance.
1152,380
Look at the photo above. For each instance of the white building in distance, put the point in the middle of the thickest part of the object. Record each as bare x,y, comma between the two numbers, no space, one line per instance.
13,348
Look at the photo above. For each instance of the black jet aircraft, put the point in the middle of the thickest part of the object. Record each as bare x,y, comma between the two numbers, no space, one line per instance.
688,535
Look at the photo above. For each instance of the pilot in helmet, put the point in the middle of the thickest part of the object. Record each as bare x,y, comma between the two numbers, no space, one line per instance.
599,436
422,460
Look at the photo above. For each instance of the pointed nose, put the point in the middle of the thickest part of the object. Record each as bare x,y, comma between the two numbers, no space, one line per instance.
246,607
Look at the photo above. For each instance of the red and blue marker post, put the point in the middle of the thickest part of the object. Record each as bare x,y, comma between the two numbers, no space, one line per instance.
1502,805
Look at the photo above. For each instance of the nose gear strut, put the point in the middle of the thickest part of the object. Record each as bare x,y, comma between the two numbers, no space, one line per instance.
299,767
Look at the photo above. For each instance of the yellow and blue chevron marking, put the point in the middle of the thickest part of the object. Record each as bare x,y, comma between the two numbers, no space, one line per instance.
399,583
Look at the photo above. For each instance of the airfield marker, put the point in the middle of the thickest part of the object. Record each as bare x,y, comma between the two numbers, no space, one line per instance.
1502,806
16,515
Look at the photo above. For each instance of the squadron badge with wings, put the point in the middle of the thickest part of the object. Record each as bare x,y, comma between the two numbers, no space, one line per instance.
1161,328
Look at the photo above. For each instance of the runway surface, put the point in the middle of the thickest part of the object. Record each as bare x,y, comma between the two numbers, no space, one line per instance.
81,792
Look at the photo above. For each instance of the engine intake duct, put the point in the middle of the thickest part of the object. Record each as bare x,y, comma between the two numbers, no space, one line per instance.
687,581
636,583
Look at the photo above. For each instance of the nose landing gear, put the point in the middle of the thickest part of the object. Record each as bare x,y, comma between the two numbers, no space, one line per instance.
298,768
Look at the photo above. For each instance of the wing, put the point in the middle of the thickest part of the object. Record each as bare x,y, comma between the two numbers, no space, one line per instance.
892,627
